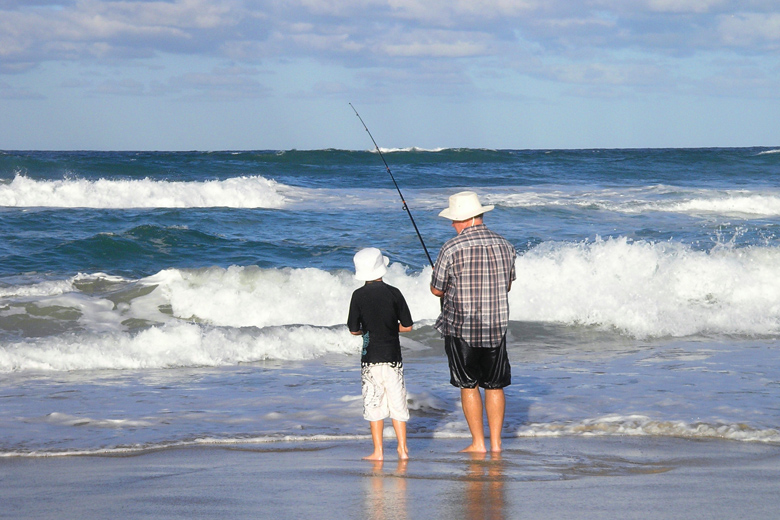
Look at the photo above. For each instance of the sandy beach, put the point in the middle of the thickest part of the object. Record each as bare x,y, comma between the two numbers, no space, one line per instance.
597,477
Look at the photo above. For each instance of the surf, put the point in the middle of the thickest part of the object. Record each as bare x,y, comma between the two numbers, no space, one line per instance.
236,192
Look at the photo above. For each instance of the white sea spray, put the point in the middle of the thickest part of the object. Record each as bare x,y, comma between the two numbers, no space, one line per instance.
236,192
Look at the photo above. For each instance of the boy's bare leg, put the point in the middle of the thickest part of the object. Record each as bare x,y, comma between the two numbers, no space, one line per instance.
495,404
400,434
377,428
471,400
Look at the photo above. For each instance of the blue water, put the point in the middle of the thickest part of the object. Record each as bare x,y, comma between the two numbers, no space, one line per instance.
158,298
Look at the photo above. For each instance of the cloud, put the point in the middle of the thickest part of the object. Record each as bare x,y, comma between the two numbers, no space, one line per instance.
581,42
436,44
613,74
90,29
751,30
362,29
459,12
684,6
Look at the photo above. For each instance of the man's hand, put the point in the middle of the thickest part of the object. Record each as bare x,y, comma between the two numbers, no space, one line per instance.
436,292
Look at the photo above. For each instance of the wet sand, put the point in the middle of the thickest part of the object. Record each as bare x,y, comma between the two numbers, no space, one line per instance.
551,478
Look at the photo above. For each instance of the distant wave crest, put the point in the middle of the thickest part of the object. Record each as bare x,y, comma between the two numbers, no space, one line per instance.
666,199
411,149
238,192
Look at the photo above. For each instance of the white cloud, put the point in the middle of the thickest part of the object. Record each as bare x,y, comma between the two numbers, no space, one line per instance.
457,49
433,12
329,43
368,29
579,42
436,44
90,28
684,6
751,29
456,12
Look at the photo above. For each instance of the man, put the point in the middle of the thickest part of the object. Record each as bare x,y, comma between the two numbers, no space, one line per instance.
473,275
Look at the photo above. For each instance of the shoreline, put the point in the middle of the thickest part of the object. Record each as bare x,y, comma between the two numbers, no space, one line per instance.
564,477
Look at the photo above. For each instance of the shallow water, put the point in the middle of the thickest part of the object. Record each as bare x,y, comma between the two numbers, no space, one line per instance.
159,299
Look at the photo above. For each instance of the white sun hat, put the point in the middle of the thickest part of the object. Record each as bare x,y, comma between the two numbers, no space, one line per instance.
463,206
370,264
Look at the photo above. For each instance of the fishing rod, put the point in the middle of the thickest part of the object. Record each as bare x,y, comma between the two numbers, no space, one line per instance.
406,207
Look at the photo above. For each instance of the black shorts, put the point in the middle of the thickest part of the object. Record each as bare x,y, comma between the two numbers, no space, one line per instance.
472,366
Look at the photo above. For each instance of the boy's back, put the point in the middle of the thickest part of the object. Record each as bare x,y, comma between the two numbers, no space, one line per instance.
376,309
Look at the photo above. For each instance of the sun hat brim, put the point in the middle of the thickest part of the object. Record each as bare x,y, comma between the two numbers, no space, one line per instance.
446,213
463,206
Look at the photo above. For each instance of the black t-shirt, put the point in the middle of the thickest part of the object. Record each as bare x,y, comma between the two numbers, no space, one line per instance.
376,308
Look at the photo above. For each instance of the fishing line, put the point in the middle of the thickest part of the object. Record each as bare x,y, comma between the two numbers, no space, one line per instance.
406,207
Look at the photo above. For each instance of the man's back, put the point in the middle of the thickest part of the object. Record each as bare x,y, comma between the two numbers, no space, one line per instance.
475,270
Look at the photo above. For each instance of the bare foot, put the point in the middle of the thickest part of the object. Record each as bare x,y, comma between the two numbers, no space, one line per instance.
403,454
375,456
474,449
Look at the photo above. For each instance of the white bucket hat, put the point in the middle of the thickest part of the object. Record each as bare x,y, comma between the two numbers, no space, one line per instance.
463,206
370,264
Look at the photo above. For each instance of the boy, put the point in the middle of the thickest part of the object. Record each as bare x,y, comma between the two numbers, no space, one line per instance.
379,312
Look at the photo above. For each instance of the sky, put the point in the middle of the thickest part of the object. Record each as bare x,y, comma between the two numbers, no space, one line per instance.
276,74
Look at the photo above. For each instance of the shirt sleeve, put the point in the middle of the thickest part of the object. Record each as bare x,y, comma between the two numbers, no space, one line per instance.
353,319
404,315
440,272
513,253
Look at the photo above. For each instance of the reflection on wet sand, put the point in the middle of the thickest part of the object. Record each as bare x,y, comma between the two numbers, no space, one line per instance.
484,494
385,496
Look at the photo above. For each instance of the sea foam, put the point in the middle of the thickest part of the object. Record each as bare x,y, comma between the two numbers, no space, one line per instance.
174,345
259,192
250,296
639,425
237,192
659,198
642,289
216,316
650,289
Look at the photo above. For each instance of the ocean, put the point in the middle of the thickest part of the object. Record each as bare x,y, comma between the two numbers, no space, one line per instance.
161,299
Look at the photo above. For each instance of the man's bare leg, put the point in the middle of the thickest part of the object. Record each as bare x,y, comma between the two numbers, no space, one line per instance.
377,428
472,410
400,434
495,404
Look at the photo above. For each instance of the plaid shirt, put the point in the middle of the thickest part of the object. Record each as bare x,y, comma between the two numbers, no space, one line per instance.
474,270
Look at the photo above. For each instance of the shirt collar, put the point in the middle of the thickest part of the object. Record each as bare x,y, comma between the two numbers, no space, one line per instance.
474,227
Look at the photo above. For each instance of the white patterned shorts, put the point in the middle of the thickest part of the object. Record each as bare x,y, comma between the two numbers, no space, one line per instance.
384,392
